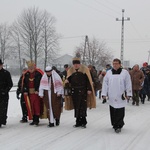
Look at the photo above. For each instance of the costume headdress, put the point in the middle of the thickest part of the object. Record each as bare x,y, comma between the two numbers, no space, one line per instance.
30,63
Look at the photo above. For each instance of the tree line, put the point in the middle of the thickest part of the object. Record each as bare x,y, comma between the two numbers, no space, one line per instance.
33,36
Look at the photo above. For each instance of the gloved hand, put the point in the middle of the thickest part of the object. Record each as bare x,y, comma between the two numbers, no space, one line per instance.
17,94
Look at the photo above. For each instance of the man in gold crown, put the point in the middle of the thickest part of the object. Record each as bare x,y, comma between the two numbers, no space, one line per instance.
82,92
31,82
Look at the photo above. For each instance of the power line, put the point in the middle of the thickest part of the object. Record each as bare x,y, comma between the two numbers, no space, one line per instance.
100,3
113,4
110,15
72,37
136,30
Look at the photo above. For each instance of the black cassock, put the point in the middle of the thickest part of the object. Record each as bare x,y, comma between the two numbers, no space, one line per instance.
5,86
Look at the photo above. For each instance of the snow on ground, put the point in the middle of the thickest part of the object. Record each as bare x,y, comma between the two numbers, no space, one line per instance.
98,135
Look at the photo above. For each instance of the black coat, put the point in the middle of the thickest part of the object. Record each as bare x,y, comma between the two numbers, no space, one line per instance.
5,86
5,83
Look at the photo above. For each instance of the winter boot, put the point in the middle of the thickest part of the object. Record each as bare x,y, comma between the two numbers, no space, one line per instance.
33,122
24,119
118,130
50,125
78,123
104,101
57,122
36,120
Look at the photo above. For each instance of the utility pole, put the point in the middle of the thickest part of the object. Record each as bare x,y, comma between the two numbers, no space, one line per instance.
84,52
122,35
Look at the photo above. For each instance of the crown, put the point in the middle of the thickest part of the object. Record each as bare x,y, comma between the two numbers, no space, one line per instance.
30,63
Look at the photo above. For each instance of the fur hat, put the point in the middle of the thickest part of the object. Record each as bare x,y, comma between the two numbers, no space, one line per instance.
76,59
1,62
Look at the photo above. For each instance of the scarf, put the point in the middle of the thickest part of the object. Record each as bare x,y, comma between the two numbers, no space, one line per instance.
57,82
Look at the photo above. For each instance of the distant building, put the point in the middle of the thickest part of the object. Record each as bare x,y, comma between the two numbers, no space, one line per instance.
61,61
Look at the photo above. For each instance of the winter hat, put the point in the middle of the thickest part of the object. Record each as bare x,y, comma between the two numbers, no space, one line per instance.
48,69
1,62
66,66
76,59
145,64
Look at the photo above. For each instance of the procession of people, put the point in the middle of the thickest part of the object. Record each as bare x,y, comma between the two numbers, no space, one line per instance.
43,94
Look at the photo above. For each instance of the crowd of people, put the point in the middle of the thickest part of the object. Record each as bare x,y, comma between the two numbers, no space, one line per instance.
43,93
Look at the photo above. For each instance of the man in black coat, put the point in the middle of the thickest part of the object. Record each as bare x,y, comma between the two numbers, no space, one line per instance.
5,86
22,100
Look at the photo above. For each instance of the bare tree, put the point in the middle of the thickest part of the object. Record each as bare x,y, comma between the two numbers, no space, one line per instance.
16,40
29,25
50,37
96,53
37,35
4,41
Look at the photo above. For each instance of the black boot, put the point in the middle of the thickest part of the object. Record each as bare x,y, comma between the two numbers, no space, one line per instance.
78,123
50,125
83,122
57,122
118,130
33,122
104,101
36,121
24,119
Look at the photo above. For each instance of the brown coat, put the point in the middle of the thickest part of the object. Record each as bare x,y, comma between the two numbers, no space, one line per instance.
56,102
137,78
91,100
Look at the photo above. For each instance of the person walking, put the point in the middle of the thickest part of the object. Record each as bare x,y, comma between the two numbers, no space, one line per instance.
5,86
31,83
21,98
51,91
137,78
116,83
82,92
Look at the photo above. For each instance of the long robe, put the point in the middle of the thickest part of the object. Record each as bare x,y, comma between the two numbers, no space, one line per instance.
49,88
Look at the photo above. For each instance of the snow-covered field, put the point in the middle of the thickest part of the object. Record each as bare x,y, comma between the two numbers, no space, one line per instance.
98,135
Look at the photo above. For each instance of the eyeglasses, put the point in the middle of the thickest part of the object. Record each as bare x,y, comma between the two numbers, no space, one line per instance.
115,63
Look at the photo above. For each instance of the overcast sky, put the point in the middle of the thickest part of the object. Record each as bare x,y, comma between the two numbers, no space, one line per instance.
95,18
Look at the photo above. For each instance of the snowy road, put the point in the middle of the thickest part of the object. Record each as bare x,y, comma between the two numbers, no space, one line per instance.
98,135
